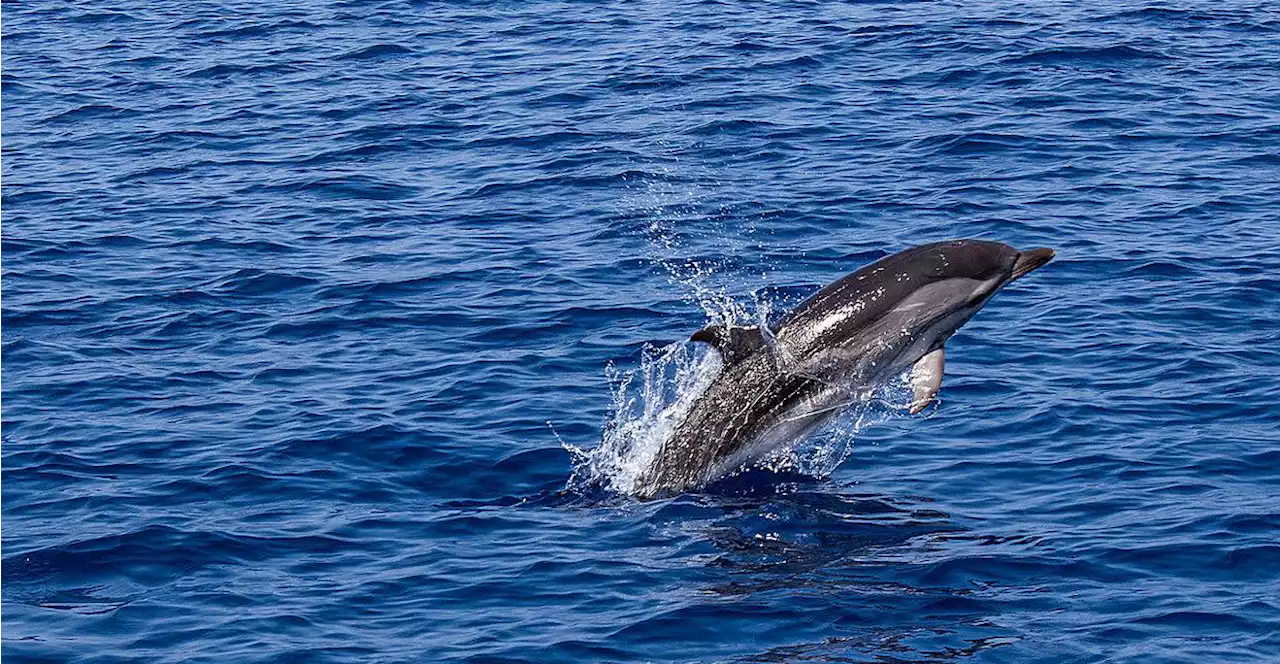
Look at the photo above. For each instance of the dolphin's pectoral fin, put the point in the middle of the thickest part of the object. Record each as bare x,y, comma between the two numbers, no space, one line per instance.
926,378
734,343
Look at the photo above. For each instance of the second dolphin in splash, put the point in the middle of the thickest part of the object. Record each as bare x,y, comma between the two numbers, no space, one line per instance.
781,383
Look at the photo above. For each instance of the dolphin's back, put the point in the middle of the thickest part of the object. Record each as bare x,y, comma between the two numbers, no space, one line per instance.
857,300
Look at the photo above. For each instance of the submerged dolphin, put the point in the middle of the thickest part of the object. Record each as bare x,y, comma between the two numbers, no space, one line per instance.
780,383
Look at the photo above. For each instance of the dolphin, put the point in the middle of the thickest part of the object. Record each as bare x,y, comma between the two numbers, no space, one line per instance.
781,382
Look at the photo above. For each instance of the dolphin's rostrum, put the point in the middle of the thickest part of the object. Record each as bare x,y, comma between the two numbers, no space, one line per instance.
780,383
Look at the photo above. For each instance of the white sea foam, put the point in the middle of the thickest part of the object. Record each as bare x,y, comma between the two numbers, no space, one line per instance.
649,402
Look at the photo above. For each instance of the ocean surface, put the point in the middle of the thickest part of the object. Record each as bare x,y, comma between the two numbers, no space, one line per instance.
321,322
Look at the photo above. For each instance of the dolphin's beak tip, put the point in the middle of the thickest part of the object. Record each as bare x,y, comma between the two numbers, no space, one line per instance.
1030,260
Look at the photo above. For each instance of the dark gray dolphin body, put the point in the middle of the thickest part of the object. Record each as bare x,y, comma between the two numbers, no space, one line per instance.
779,384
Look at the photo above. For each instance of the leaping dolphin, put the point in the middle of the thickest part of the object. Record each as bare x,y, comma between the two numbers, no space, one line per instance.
780,383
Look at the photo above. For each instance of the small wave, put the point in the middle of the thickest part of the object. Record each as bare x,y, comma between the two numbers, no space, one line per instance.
9,84
88,111
217,244
351,187
97,17
1163,270
1169,15
1089,56
731,127
377,51
254,29
800,62
878,29
258,282
558,100
538,139
974,143
493,189
226,70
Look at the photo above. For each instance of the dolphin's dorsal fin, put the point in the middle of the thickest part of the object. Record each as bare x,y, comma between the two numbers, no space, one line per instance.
734,343
926,378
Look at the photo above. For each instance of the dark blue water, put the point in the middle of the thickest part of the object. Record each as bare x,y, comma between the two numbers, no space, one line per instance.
292,290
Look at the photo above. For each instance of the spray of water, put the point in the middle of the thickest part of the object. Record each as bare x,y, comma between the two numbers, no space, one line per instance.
649,402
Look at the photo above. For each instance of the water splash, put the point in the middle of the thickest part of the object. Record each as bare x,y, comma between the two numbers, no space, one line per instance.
649,402
700,238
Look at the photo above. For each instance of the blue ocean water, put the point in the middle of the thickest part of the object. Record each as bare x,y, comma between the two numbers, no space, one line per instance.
305,306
